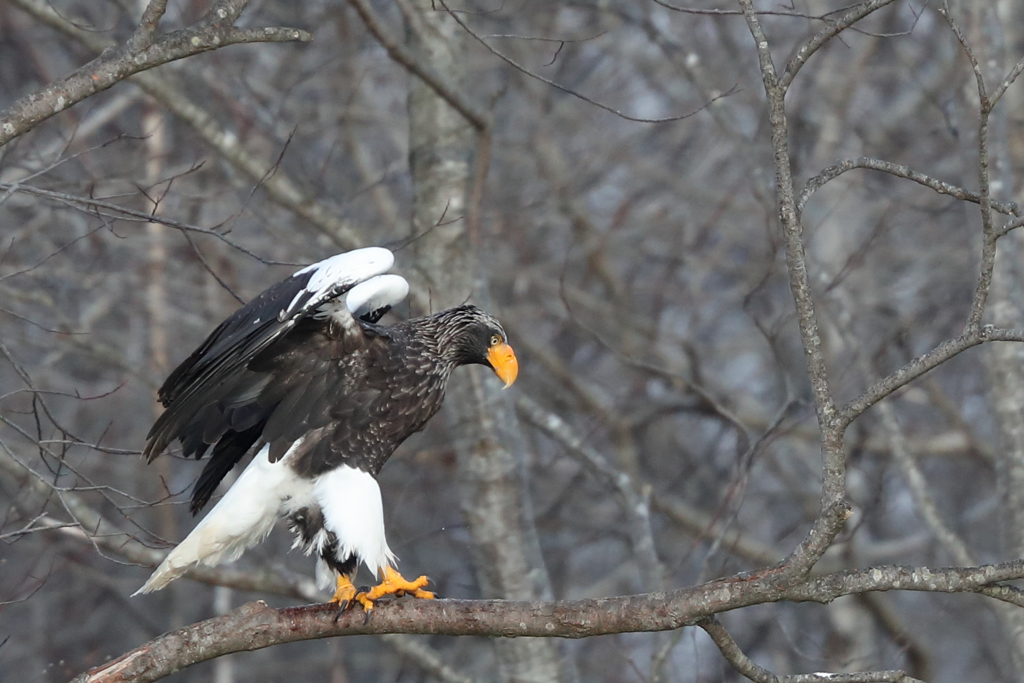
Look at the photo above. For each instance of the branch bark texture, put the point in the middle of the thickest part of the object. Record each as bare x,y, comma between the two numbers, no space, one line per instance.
255,625
481,419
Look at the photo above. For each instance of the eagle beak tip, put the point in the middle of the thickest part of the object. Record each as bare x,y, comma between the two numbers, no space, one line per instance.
503,362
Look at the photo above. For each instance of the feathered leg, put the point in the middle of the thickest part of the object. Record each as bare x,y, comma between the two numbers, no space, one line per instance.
354,514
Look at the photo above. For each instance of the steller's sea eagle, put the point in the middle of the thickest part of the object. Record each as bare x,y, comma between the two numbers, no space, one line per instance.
304,374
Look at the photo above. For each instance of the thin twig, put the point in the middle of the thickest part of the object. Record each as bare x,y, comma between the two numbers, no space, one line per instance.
834,510
418,67
988,245
519,67
824,36
900,171
280,187
735,656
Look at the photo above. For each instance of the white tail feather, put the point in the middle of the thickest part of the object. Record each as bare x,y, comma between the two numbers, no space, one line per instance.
243,517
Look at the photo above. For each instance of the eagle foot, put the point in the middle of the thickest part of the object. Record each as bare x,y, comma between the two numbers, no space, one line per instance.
346,596
395,584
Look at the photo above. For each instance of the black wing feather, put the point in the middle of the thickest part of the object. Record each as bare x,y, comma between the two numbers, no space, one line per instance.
203,376
348,392
247,322
226,454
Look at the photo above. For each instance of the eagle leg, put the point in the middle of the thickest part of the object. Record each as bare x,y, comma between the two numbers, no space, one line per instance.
395,584
346,595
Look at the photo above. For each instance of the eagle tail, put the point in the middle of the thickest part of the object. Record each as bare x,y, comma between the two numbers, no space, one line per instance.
242,518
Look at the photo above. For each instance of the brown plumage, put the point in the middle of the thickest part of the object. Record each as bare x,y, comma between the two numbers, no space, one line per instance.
311,377
362,397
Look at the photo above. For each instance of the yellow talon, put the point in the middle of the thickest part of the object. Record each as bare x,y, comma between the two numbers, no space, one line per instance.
395,584
344,592
346,595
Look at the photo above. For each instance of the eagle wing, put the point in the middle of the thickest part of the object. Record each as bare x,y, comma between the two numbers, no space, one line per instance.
227,394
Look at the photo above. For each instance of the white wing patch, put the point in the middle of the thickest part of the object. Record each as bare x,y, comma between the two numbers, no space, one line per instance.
340,271
382,291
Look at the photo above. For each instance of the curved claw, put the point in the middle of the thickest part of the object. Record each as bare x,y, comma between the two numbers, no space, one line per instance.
363,600
344,596
344,591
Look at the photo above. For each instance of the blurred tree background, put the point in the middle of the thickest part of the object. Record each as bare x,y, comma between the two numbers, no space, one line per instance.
627,235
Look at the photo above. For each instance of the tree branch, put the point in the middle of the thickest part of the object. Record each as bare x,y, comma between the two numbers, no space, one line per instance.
900,171
280,187
823,36
213,31
635,498
834,509
418,68
922,364
255,625
90,526
735,656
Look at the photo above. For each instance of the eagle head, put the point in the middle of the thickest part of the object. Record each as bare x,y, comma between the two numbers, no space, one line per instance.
473,337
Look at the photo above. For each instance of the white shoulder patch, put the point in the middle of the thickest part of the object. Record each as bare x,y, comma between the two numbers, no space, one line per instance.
348,268
338,273
376,293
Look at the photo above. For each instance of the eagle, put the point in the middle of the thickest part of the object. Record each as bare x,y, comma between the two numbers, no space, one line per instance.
306,377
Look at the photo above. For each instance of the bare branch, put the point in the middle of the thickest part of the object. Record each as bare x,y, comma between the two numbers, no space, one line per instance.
824,36
255,626
146,31
735,656
736,13
522,69
922,364
428,660
418,67
280,187
213,31
636,500
833,510
988,245
918,486
116,211
1000,90
900,171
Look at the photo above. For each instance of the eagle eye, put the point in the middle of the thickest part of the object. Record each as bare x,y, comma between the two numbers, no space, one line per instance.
495,339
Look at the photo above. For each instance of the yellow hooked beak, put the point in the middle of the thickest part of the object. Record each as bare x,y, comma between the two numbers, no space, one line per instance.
503,361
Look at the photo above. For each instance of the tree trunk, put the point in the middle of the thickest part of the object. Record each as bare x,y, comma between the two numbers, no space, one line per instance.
481,418
1004,361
